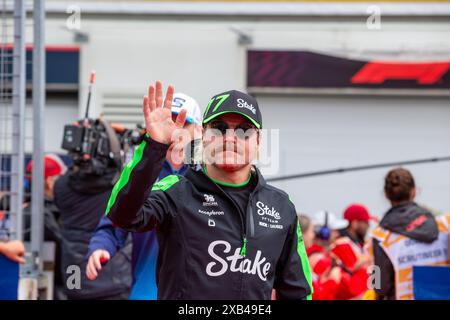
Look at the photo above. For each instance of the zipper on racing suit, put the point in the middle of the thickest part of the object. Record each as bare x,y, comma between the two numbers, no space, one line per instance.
241,215
243,219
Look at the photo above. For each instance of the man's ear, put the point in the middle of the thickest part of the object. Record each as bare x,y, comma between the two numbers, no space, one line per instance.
203,130
258,141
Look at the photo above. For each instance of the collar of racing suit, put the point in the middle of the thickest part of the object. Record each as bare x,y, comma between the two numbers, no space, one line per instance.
200,178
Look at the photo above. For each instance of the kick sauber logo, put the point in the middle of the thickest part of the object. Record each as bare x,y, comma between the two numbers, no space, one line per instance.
243,104
259,266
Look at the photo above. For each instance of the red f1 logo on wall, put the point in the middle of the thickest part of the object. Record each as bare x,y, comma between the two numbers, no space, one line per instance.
376,72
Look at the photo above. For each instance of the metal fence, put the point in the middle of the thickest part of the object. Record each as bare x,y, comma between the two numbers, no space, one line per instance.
16,57
12,104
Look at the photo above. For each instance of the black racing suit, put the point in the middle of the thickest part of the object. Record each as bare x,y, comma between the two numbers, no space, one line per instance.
209,249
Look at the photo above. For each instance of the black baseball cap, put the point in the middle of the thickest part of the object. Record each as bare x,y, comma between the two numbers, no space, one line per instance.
233,101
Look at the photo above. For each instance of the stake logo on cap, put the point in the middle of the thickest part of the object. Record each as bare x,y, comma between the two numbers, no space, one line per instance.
233,102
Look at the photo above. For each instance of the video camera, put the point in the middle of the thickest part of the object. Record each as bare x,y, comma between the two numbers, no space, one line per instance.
95,145
98,150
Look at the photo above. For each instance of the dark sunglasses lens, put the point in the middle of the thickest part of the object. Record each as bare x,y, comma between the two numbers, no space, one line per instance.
244,131
220,126
241,131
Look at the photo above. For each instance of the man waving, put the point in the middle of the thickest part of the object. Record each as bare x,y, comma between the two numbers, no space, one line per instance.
223,232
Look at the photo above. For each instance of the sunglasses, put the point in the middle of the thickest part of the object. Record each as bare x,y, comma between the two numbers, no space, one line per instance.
242,131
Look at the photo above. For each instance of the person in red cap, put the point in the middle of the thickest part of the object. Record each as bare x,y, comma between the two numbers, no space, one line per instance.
14,249
358,218
54,167
350,250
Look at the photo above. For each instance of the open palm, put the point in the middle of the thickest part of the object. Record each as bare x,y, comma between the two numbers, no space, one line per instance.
158,114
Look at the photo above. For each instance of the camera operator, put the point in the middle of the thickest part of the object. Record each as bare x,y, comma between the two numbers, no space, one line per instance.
81,196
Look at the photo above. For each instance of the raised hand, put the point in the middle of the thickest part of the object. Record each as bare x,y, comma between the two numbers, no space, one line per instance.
158,115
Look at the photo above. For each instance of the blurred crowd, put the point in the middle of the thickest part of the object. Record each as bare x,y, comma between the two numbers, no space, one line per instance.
341,251
337,252
351,260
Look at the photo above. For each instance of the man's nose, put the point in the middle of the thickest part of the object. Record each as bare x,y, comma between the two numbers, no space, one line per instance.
230,136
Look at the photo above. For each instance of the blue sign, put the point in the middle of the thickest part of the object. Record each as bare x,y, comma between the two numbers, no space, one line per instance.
9,279
431,283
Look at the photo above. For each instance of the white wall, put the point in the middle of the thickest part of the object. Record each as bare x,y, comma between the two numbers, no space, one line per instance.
58,112
201,56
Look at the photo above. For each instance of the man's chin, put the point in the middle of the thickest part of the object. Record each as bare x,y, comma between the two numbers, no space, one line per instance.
230,166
